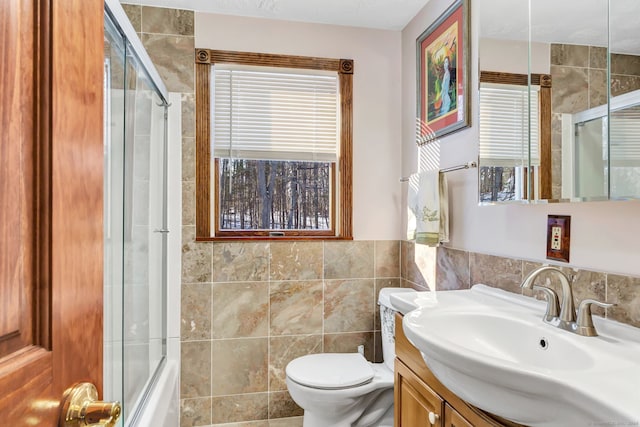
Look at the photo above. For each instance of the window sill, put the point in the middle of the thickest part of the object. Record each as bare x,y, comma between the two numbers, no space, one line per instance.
271,238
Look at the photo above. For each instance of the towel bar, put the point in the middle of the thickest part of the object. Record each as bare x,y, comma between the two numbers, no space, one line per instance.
468,165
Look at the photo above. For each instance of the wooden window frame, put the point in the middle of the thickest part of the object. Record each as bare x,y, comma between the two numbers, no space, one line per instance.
342,215
544,81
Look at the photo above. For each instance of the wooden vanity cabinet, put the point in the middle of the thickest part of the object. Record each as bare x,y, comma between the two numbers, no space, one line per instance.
420,400
415,402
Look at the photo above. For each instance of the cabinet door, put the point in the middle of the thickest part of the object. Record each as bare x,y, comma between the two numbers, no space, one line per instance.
416,405
453,419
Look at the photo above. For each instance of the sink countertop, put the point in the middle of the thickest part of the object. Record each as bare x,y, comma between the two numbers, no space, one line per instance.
601,371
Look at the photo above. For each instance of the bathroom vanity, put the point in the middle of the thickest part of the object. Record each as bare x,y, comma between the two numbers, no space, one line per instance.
421,400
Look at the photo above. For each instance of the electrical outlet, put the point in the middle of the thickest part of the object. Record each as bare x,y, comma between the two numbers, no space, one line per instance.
558,234
556,238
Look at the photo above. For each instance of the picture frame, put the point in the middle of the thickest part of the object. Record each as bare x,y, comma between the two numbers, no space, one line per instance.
443,74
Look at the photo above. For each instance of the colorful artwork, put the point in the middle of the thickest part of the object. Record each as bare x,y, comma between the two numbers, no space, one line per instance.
442,54
441,69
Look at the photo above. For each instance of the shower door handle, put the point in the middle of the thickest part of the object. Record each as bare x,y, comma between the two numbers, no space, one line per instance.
160,230
80,407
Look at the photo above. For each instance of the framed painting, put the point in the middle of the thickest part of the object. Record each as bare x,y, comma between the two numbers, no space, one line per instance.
443,74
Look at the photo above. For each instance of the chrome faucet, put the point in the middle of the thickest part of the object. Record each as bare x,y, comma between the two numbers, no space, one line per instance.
566,318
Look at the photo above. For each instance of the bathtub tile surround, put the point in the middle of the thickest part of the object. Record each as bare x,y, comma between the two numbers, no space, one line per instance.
196,257
195,374
196,315
508,273
134,13
168,37
195,411
168,21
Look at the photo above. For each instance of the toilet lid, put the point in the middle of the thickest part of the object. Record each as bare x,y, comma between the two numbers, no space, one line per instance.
330,370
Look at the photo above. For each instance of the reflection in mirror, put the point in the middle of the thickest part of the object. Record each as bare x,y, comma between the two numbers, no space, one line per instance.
624,120
504,114
594,153
576,32
514,109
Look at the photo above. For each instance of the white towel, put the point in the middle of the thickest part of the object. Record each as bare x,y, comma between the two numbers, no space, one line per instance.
428,209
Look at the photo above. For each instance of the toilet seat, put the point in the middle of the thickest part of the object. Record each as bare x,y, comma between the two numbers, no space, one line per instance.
331,371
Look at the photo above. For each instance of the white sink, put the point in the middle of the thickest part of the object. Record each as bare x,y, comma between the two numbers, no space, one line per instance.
492,349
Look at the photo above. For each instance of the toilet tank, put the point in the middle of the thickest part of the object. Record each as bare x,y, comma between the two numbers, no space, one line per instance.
387,324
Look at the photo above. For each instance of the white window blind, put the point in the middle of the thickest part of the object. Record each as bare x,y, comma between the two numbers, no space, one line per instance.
624,128
504,125
274,114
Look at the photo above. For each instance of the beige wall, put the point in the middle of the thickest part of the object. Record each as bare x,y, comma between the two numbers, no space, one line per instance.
512,56
376,101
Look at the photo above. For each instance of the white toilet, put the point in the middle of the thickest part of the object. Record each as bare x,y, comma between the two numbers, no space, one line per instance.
344,389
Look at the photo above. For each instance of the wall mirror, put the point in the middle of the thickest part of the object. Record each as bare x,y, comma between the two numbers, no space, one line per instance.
572,131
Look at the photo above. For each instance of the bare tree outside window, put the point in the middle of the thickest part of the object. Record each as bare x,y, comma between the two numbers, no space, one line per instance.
497,184
274,195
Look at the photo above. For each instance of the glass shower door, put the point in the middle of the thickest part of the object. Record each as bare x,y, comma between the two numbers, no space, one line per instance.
144,207
135,226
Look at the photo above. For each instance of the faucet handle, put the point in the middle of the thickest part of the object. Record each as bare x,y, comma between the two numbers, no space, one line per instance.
553,305
585,321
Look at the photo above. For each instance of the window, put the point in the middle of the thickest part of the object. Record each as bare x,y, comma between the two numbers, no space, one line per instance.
508,163
273,146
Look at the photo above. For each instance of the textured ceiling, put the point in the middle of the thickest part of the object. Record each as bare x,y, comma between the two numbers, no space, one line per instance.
381,14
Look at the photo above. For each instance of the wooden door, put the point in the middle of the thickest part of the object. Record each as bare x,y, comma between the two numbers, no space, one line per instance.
51,179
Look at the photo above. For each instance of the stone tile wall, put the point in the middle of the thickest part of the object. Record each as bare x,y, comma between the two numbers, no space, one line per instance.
250,308
458,269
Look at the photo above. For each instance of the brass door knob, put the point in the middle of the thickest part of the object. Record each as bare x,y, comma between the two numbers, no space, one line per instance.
80,407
